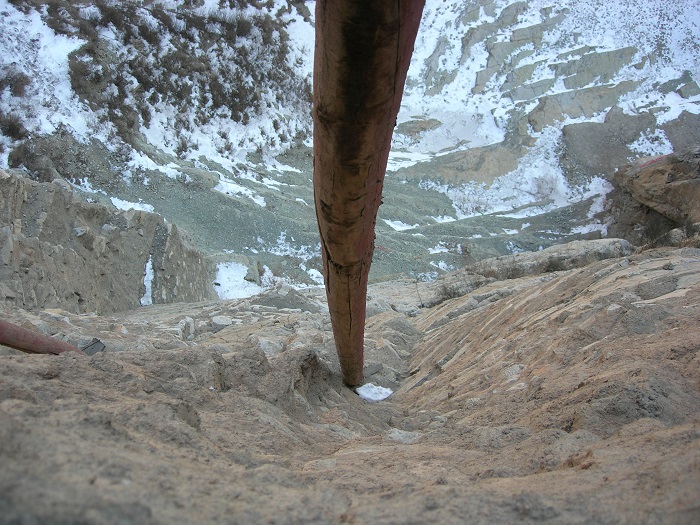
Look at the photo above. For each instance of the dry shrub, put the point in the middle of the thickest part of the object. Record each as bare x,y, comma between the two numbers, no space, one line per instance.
11,126
17,81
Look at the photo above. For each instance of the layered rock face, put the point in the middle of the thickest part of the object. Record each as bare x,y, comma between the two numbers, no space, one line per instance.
57,250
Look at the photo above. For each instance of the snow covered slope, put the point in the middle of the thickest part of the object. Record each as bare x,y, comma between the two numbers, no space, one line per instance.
193,78
517,73
515,115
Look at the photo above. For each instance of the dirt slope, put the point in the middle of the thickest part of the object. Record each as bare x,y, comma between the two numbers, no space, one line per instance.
565,397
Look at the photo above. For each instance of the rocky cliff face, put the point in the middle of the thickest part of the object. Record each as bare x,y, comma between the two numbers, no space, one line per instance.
58,251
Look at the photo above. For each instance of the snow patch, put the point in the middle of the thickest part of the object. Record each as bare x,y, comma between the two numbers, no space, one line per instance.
372,392
127,205
400,226
440,248
229,187
652,144
536,186
230,277
443,218
315,275
147,298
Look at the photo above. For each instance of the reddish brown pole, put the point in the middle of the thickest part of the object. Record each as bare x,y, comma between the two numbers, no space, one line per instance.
28,341
363,50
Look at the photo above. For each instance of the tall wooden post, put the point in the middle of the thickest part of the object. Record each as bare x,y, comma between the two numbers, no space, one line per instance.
363,50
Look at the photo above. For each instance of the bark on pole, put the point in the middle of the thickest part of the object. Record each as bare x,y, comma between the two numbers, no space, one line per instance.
31,342
363,50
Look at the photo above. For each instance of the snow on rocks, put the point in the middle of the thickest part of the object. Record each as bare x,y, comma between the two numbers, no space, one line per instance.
372,392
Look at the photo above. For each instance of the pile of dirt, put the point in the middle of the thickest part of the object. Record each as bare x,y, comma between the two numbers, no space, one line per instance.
564,397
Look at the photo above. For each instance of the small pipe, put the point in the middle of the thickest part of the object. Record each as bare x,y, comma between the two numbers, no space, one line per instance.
27,341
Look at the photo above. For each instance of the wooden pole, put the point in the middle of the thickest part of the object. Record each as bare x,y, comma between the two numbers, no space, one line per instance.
363,50
31,342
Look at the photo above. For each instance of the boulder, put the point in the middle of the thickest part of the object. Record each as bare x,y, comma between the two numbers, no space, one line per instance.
553,259
669,184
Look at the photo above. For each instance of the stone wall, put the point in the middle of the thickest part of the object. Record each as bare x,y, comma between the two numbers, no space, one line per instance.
57,251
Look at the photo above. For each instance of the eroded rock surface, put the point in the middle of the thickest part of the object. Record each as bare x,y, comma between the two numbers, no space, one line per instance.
566,396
